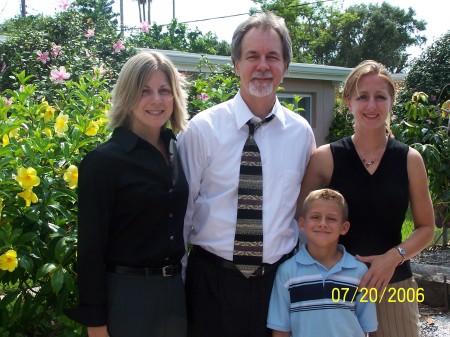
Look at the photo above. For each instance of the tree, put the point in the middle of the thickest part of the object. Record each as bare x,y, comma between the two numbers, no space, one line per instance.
142,3
324,34
429,73
177,36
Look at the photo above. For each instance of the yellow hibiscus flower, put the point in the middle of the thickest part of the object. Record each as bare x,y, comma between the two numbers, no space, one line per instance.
5,140
8,261
29,196
47,132
49,114
14,133
27,178
92,129
61,124
71,176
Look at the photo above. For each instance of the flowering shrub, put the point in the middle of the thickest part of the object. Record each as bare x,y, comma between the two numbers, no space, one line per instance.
426,127
42,145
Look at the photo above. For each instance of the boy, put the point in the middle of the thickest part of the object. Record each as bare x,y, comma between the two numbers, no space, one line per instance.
315,293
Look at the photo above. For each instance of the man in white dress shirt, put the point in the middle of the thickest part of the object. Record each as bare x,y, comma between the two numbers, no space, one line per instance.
221,301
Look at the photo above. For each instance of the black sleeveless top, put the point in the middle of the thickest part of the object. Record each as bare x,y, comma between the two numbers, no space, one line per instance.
377,202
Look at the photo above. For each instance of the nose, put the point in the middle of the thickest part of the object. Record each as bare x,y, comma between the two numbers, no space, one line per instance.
371,104
323,222
263,65
156,97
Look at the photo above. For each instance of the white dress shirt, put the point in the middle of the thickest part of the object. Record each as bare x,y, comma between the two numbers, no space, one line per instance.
211,150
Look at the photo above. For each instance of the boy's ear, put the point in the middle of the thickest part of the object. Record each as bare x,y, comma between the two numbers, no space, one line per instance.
301,223
345,227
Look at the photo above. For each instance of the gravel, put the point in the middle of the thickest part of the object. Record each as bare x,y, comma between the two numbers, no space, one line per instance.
434,322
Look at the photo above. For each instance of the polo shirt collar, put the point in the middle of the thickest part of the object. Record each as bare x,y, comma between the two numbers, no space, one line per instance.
346,261
242,113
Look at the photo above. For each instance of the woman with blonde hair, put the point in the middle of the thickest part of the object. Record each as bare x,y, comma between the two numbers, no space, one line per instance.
379,178
132,197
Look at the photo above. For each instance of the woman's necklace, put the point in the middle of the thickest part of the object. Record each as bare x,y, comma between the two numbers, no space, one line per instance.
367,162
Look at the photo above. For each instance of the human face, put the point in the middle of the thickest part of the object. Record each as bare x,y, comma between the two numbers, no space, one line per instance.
261,66
371,102
155,105
323,223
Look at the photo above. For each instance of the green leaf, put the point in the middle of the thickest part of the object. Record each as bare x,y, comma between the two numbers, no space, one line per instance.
9,298
26,263
45,269
57,280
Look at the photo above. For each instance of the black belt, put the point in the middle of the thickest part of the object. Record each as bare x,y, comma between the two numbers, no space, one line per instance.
145,271
265,268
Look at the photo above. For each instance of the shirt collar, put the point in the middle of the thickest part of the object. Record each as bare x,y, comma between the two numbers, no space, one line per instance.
242,113
128,140
346,261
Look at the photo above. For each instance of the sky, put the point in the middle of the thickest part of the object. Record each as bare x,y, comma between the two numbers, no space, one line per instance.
232,12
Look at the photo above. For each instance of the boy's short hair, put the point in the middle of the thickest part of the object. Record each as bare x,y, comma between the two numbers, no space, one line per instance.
326,194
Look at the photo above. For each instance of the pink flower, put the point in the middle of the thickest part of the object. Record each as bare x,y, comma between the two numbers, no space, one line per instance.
145,27
8,101
42,56
118,46
63,4
56,50
90,33
59,75
99,70
204,96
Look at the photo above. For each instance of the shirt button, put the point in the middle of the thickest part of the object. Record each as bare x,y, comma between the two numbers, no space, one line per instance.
170,190
172,237
170,215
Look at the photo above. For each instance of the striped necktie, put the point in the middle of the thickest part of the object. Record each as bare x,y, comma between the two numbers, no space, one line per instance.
248,241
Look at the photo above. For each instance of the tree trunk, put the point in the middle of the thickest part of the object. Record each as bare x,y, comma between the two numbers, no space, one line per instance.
121,16
24,9
148,11
140,14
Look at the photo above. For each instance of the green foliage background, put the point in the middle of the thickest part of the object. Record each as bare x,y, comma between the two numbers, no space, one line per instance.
44,233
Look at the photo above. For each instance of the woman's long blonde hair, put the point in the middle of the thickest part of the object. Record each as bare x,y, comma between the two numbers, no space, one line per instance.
132,78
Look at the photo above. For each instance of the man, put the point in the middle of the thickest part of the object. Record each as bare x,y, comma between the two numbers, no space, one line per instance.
222,299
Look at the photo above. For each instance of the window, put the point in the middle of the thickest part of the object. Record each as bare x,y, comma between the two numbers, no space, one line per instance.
305,103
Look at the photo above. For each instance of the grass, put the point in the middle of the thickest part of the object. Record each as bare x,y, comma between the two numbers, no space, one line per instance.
408,228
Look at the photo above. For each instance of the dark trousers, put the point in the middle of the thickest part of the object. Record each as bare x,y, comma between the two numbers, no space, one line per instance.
146,306
221,302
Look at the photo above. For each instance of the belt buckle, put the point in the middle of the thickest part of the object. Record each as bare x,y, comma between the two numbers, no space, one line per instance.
167,271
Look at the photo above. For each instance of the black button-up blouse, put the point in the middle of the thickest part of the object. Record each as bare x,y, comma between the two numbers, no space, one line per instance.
131,207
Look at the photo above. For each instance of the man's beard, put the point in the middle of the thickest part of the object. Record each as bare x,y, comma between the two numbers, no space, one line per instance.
261,88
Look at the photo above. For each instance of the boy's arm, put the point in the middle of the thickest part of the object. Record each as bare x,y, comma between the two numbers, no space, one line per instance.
276,333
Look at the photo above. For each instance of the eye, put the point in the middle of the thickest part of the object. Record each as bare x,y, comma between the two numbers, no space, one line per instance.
165,92
362,98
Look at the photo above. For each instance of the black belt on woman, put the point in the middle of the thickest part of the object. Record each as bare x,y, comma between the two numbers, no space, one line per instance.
165,271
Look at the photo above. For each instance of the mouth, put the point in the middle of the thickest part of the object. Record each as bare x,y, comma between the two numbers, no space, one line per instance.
371,116
154,112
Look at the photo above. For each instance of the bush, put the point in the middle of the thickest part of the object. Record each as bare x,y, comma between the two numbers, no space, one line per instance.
425,127
42,145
